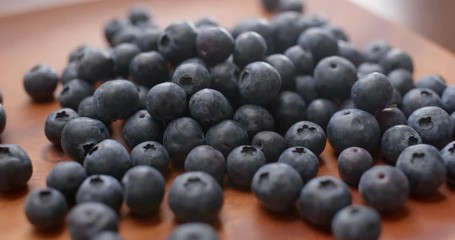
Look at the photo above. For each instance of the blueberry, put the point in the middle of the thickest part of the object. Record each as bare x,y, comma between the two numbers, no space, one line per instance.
291,5
242,163
141,127
353,127
423,166
2,117
287,108
389,117
66,177
367,68
195,197
319,41
108,157
348,51
113,27
122,55
433,125
138,14
305,87
116,99
302,59
45,208
352,163
180,137
187,231
401,79
147,40
249,47
128,34
73,92
334,77
259,83
417,98
286,28
177,42
206,21
226,135
69,72
434,82
276,186
166,102
320,111
224,78
142,91
375,50
103,189
396,58
396,98
208,107
306,134
15,167
206,159
271,5
88,109
356,222
321,198
143,189
77,53
40,83
448,99
254,119
372,92
88,219
192,77
152,154
384,188
258,25
339,34
79,136
94,65
214,45
396,139
447,155
285,68
107,235
55,122
149,69
303,160
270,143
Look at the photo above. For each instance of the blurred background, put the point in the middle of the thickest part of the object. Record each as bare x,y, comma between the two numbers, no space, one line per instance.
432,19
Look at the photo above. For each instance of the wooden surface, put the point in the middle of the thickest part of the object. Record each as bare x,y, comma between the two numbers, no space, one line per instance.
48,36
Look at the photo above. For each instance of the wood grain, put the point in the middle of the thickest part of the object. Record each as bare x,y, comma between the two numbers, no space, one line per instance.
48,36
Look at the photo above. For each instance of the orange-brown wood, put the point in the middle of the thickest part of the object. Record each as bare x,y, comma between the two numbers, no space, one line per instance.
48,36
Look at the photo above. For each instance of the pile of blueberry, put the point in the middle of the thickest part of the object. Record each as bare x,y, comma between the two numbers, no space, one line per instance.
253,105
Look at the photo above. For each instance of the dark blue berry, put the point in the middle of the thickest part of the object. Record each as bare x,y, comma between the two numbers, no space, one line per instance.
258,25
214,45
367,68
372,92
107,235
152,154
356,222
321,198
141,127
423,166
187,231
192,77
69,73
55,122
122,55
319,41
15,167
195,197
396,139
73,92
88,219
180,137
286,28
348,51
177,42
45,208
226,135
417,98
303,160
302,59
270,143
287,108
448,99
384,188
375,50
285,68
242,163
396,58
305,87
448,157
143,190
389,117
208,107
401,80
40,83
249,47
352,163
434,82
94,65
254,119
166,101
320,111
276,186
306,134
103,189
66,177
206,159
149,69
